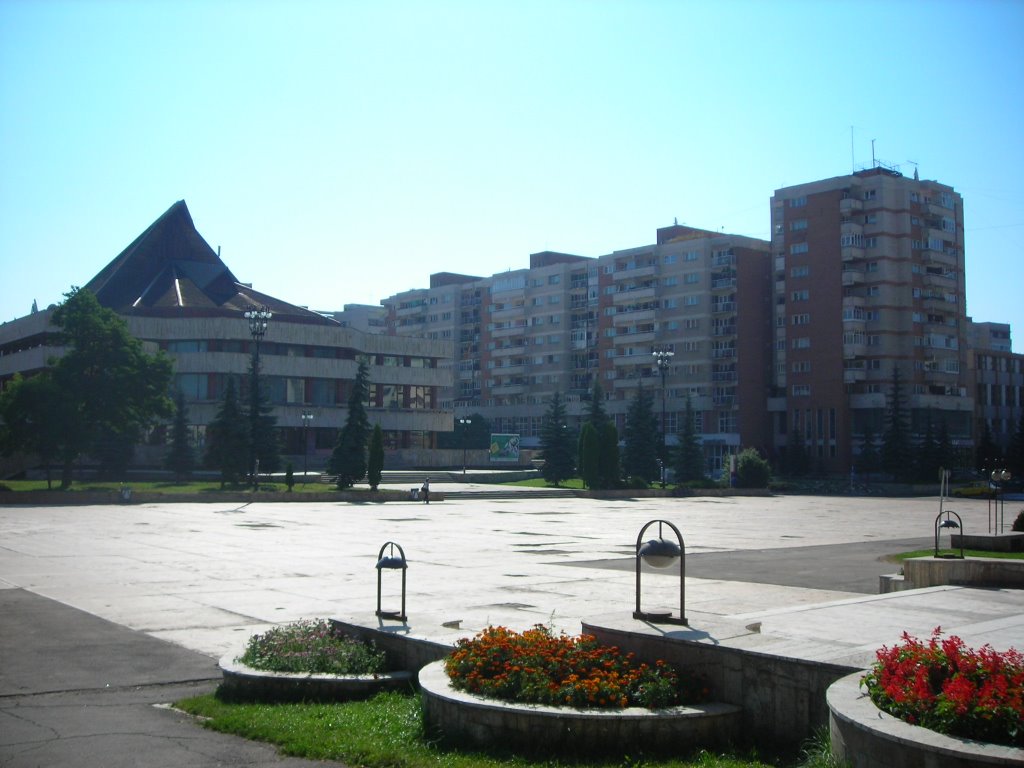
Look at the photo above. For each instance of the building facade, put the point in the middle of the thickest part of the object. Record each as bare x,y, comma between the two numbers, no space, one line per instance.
175,294
568,321
868,280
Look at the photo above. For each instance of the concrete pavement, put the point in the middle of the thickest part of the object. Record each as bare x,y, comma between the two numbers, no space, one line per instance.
203,577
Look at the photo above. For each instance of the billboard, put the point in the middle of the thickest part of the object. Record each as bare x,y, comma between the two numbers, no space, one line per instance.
504,447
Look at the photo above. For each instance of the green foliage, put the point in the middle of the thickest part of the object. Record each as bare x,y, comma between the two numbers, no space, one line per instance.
289,476
348,461
375,463
388,731
752,471
180,458
106,390
310,646
1015,451
263,439
1018,523
987,455
595,413
589,455
477,434
227,438
640,457
33,416
688,458
609,470
556,443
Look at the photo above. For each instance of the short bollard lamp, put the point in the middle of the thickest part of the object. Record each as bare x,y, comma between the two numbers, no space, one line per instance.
945,521
661,553
391,561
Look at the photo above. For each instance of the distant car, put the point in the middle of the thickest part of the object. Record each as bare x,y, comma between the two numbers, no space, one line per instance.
975,489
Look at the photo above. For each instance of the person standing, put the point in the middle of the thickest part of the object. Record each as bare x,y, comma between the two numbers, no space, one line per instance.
425,491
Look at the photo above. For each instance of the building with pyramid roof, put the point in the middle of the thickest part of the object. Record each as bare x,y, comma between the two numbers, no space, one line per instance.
176,294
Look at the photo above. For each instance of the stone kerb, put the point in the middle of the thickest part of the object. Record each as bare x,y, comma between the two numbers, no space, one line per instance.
246,683
466,718
866,737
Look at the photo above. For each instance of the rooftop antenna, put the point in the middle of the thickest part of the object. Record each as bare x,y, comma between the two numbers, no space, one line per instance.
853,162
873,164
916,176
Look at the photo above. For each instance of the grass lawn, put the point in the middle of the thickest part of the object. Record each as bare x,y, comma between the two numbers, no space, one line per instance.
387,732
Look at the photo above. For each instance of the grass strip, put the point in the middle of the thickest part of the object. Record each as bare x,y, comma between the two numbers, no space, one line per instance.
387,732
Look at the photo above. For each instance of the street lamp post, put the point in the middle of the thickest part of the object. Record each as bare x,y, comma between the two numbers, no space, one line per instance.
465,428
258,317
663,358
307,416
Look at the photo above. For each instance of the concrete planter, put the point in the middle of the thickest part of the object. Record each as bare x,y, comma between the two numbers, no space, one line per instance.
250,684
470,719
866,737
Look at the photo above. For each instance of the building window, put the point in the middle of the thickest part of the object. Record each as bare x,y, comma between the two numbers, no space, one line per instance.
803,319
801,390
797,202
803,342
803,366
802,295
797,225
801,271
797,248
870,194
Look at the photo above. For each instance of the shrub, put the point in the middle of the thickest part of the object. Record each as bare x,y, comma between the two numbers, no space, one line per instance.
309,646
1018,524
539,667
947,687
751,470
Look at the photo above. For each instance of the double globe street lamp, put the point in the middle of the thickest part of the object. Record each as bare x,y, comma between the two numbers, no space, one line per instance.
258,317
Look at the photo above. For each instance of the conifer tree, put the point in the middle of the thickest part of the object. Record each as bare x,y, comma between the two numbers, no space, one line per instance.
556,443
589,456
689,455
227,438
640,458
348,461
897,456
180,458
375,463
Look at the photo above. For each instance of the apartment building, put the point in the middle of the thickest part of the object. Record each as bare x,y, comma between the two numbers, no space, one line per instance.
567,321
868,279
998,377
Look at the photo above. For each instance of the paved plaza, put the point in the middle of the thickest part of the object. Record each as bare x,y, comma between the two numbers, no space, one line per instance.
109,612
205,576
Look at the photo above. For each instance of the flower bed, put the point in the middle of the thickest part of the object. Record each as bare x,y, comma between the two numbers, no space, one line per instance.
307,661
949,688
559,694
538,667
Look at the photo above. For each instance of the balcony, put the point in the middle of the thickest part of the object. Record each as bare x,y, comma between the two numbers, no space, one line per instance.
850,205
724,306
939,258
854,350
723,330
851,252
723,354
723,401
853,301
945,281
851,228
723,283
854,375
853,277
631,316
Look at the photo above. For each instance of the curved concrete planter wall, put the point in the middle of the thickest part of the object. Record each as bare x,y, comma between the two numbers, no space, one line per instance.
867,737
466,718
245,682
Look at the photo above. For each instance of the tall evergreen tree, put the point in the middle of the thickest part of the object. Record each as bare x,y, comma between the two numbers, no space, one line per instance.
227,438
596,414
897,455
609,470
348,461
556,443
689,454
375,463
927,457
589,456
180,458
640,458
263,427
797,459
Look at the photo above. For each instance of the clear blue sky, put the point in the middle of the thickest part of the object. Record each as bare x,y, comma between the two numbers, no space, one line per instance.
340,152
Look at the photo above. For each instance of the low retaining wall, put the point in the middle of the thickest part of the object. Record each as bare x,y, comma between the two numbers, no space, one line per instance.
969,571
244,682
866,737
84,498
989,542
783,699
462,717
401,650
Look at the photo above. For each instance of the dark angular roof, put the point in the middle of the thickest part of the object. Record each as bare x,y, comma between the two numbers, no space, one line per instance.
170,270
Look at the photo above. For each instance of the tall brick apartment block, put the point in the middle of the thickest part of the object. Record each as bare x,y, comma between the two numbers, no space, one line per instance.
868,278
